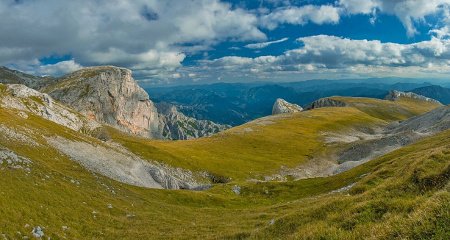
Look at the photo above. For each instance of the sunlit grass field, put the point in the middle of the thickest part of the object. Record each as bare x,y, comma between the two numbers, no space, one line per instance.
404,194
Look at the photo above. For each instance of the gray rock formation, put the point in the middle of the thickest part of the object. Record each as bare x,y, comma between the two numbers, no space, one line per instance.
12,160
109,95
281,106
30,101
326,102
395,95
116,162
396,136
175,125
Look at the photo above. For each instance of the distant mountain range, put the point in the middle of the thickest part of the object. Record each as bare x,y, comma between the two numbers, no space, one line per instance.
237,103
439,93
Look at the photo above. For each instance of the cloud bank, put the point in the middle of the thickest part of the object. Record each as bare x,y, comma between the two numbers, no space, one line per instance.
155,37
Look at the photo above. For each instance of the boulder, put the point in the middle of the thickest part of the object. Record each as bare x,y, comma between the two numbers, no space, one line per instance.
281,106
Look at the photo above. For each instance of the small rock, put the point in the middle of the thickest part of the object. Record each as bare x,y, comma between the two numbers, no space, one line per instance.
272,222
65,228
236,189
37,232
110,205
23,115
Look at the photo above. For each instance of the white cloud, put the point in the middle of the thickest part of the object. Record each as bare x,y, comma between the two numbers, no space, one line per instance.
407,11
153,37
359,6
59,68
335,56
140,34
301,16
264,44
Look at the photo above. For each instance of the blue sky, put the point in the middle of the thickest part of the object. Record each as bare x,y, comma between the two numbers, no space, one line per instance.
206,41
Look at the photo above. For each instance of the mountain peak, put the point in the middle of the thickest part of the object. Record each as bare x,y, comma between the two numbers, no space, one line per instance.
109,95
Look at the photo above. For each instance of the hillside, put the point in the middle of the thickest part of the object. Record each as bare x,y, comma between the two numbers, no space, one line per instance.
268,145
401,195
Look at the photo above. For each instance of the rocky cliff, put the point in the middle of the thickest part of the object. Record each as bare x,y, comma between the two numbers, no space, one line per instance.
175,125
109,95
281,106
326,102
395,95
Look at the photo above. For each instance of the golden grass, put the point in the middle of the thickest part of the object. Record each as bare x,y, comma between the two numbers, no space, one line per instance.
261,147
404,194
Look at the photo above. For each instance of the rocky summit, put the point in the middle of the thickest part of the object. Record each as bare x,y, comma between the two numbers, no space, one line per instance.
109,95
281,106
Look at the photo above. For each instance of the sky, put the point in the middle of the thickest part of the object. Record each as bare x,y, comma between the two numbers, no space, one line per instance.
205,41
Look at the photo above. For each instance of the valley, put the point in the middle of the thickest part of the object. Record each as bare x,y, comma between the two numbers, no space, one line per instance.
343,168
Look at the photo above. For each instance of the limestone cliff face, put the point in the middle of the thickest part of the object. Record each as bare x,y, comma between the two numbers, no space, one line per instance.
326,102
176,125
109,95
281,106
395,95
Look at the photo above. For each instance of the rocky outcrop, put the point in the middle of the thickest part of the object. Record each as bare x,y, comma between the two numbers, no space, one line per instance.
117,163
175,125
281,106
109,95
394,95
394,137
27,100
326,102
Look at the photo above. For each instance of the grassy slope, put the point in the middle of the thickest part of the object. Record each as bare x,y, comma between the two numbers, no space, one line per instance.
261,147
398,189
